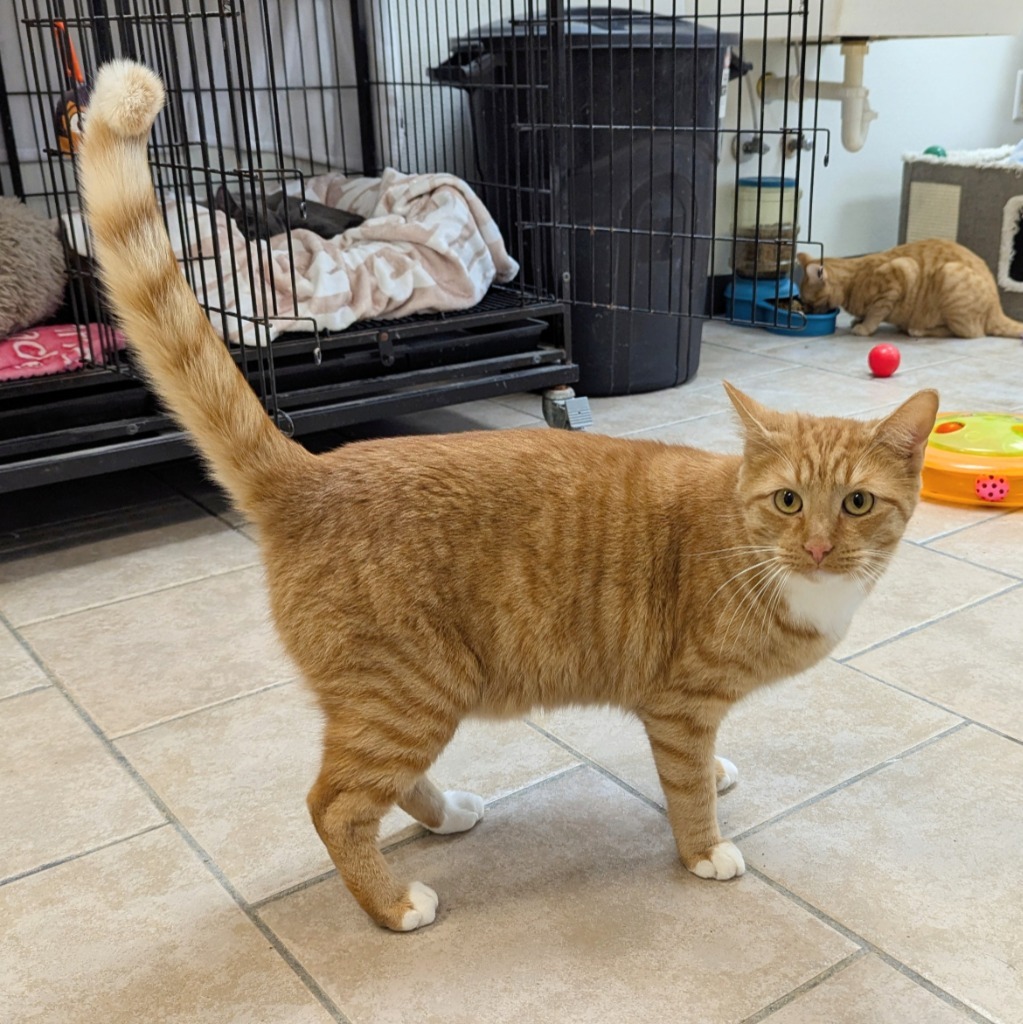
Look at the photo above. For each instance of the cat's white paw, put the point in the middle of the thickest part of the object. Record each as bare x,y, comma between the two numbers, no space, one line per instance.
461,812
727,774
424,907
723,861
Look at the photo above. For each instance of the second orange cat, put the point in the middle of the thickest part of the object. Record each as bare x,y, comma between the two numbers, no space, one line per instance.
929,289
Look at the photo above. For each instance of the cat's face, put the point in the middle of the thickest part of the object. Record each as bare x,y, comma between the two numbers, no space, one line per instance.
827,497
816,291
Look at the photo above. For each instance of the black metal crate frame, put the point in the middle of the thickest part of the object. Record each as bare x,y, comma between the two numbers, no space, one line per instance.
210,52
210,56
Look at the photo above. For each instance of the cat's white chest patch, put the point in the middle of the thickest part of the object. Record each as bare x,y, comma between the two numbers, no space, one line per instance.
827,604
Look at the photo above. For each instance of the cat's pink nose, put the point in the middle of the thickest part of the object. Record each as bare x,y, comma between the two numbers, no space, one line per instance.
818,549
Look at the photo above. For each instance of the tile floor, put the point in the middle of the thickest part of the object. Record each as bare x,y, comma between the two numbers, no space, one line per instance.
156,862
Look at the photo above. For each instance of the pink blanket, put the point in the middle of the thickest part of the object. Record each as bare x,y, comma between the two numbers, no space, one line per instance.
55,348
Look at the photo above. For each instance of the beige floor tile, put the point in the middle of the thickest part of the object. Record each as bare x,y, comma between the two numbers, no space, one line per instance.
746,338
846,353
919,585
132,553
63,793
997,543
969,662
718,363
919,859
987,382
790,742
140,932
868,991
566,904
18,672
807,389
623,414
237,775
934,519
719,432
140,661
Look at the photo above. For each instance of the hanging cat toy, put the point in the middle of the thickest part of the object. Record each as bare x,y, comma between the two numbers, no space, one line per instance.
69,114
975,458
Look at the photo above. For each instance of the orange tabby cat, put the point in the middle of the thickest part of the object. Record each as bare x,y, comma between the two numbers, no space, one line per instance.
929,289
417,581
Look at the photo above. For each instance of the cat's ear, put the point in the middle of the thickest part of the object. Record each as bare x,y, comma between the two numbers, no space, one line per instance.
756,418
804,258
906,430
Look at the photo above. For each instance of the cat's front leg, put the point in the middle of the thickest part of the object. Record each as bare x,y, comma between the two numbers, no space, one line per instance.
691,776
868,324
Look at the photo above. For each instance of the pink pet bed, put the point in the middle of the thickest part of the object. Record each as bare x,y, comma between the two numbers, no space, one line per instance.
54,348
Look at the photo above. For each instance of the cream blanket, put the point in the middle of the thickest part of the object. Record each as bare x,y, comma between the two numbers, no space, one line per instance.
428,244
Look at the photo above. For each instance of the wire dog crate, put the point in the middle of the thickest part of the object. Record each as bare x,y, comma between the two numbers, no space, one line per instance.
590,133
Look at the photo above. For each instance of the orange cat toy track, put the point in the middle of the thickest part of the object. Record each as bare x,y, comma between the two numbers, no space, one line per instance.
975,458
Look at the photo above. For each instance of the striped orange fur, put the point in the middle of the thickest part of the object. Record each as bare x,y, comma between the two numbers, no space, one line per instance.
929,289
416,581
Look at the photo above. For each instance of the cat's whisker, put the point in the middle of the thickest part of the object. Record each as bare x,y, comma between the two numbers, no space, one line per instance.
771,604
763,602
748,595
742,572
744,596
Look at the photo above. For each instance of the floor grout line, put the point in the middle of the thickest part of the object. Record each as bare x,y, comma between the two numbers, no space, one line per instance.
926,542
118,736
850,781
71,857
1014,585
926,546
186,837
145,593
421,832
589,762
21,693
807,986
967,719
870,947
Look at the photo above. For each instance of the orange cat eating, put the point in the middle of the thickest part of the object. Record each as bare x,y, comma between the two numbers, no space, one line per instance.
929,289
418,581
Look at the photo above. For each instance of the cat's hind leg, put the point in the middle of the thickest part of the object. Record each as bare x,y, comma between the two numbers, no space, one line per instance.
726,774
443,813
369,765
929,332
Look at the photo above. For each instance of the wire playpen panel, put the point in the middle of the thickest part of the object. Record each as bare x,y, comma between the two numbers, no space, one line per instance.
593,134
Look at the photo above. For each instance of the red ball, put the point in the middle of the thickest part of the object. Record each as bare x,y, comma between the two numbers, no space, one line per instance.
883,360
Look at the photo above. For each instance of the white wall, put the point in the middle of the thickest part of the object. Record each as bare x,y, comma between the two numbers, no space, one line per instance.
955,93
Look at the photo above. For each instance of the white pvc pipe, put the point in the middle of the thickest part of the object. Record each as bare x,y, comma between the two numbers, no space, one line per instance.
856,111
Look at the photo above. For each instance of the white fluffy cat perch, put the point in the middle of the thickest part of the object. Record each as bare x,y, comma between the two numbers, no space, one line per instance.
856,111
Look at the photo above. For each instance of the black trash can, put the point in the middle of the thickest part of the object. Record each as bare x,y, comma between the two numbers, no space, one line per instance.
596,153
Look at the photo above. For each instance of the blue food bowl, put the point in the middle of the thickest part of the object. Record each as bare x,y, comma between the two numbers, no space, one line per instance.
765,304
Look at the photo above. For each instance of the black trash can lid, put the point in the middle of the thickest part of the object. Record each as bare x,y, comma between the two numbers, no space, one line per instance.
600,27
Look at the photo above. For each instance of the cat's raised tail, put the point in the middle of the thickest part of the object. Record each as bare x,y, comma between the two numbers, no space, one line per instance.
186,360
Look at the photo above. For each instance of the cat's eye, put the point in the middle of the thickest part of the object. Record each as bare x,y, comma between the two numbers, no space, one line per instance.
859,503
788,502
